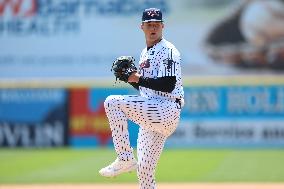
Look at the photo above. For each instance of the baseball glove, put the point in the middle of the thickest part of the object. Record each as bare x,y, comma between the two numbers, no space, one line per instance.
123,67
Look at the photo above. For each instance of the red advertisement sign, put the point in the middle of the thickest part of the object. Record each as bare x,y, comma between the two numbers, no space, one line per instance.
85,120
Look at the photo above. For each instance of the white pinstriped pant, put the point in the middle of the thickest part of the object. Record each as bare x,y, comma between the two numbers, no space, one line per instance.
157,118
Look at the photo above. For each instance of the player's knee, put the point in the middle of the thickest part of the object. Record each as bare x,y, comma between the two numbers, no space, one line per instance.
112,101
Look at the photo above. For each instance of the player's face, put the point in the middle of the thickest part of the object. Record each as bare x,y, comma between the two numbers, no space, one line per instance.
153,31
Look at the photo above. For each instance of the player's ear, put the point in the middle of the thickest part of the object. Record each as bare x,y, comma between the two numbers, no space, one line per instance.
141,26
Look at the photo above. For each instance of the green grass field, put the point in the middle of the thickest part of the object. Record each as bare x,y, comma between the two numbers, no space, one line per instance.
82,165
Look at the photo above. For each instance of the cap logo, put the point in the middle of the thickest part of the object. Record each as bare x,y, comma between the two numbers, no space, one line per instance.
153,13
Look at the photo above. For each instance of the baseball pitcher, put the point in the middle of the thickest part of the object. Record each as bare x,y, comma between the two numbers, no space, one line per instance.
156,110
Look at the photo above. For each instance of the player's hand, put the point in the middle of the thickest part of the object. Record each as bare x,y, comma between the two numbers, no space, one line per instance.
134,78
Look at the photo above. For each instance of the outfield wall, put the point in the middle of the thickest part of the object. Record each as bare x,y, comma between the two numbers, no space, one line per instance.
217,113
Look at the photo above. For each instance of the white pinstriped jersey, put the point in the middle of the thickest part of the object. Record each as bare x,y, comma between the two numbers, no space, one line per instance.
163,59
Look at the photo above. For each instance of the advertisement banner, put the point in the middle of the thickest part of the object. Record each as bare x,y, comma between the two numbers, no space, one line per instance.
79,39
33,118
231,116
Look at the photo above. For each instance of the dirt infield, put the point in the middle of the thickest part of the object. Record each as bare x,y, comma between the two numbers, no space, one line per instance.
160,186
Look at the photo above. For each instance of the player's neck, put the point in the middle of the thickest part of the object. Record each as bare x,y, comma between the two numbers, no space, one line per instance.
150,44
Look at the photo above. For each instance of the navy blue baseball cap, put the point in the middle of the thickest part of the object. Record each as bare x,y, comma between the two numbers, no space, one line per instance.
152,15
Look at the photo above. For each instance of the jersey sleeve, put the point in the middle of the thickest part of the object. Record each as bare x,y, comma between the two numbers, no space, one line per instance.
170,64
